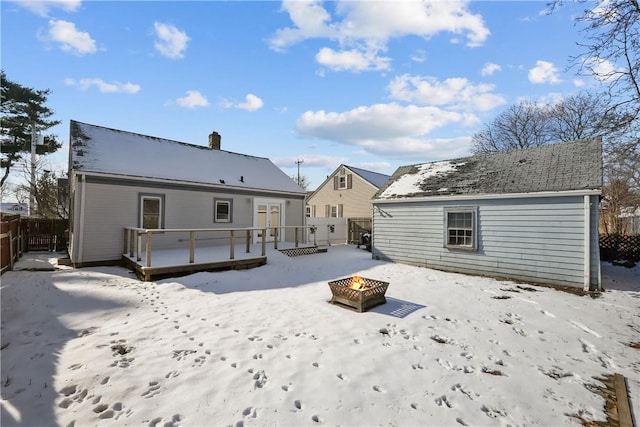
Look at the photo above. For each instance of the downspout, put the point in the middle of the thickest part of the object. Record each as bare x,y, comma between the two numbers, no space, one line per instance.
587,243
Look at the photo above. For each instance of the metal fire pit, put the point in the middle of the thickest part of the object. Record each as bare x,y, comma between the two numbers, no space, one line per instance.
369,295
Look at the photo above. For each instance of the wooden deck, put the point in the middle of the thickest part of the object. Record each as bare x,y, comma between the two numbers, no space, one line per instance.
150,261
175,262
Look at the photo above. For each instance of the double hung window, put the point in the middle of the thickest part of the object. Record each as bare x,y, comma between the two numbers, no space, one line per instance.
460,228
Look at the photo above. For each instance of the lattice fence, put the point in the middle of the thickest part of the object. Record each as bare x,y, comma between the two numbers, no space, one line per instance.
620,247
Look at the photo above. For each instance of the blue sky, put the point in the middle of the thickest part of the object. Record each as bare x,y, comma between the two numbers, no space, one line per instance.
371,84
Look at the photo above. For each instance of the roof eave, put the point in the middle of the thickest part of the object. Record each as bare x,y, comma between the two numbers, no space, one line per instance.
465,197
186,183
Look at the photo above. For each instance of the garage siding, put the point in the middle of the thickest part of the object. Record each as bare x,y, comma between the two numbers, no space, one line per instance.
537,239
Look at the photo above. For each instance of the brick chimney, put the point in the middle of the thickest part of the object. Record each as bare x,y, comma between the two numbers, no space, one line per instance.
214,140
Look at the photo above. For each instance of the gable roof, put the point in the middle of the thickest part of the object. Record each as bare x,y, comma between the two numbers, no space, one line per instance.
374,178
116,152
564,166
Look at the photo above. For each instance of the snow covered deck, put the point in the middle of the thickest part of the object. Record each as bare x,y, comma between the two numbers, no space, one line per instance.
148,262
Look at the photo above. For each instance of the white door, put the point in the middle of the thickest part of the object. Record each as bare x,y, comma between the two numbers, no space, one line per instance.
268,214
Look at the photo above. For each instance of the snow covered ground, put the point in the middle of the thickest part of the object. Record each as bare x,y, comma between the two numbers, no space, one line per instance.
95,346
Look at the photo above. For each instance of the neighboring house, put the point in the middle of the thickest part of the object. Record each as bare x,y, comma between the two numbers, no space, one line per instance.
14,208
346,193
529,215
121,179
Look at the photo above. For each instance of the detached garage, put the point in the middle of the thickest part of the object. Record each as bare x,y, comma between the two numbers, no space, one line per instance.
529,215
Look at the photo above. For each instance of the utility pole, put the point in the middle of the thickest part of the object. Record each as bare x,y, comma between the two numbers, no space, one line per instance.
298,162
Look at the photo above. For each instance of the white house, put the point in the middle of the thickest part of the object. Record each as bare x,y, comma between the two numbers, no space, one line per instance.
121,179
529,215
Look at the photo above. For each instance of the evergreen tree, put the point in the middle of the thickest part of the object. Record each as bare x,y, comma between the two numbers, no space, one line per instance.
23,112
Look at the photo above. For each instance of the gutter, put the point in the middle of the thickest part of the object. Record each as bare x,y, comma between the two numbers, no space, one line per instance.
462,197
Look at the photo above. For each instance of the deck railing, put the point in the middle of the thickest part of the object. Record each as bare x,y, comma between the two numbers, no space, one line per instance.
138,239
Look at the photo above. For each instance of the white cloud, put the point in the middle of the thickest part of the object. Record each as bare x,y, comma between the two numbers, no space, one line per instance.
603,69
42,7
194,99
352,60
490,68
368,26
70,39
544,72
419,56
104,87
578,82
252,103
386,129
456,93
170,41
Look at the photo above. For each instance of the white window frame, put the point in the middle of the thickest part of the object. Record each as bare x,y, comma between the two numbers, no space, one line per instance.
468,233
308,211
333,211
342,181
220,202
160,199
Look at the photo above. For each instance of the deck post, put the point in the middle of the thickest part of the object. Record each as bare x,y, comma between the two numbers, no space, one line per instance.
132,240
192,244
232,244
248,241
275,238
296,236
149,241
139,246
125,249
264,241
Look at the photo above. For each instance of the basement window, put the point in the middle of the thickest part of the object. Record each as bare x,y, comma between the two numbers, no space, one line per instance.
460,228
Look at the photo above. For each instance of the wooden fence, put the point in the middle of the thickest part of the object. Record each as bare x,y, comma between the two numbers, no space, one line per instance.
45,234
620,247
23,234
11,241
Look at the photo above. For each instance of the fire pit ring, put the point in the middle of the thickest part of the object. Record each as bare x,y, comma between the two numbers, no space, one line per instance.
359,293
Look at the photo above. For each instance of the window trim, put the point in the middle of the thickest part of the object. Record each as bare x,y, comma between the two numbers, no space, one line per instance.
342,181
141,198
229,202
473,210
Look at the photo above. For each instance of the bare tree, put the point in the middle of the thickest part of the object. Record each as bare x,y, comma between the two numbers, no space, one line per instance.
611,50
303,181
521,125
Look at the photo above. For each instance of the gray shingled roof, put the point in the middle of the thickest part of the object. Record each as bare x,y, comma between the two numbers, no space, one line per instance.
374,178
565,166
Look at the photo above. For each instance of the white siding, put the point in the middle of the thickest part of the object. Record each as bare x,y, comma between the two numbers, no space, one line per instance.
537,239
110,207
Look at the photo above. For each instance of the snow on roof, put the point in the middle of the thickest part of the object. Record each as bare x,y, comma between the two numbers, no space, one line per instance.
100,149
410,183
565,166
